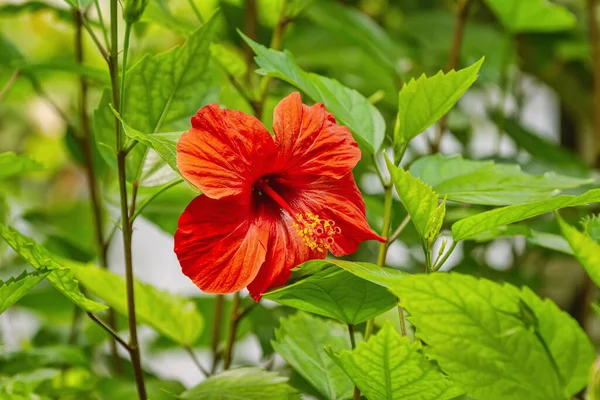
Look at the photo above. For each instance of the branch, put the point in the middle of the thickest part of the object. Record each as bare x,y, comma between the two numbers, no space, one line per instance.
110,331
457,37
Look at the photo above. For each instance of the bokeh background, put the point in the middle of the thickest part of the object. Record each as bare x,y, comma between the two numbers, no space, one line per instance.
532,105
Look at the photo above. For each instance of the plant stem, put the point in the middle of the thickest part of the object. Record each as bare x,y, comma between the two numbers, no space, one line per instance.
154,195
196,361
216,334
387,220
398,231
457,37
595,49
124,68
275,45
440,263
110,331
196,11
89,29
227,356
102,24
86,148
134,350
356,395
9,84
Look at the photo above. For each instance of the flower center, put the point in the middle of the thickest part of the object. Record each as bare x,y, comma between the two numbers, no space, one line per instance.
315,232
318,234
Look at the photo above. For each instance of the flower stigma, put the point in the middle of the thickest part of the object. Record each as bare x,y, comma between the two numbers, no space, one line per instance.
318,234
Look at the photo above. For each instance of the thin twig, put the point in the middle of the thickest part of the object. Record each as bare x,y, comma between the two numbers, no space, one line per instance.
9,84
37,87
457,38
110,331
86,148
594,39
92,34
228,353
196,361
154,195
398,230
196,11
356,395
113,66
216,334
439,264
102,24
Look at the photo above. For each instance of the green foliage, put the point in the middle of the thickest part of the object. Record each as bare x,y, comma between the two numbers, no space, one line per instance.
61,277
423,101
171,315
357,27
370,272
485,182
161,91
248,383
519,16
585,249
389,366
544,151
25,384
348,106
486,346
420,201
468,227
12,165
333,292
14,288
301,340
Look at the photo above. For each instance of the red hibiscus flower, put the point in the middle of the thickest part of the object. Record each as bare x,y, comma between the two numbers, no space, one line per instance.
268,204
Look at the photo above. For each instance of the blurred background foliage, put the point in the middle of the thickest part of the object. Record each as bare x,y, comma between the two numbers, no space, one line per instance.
532,105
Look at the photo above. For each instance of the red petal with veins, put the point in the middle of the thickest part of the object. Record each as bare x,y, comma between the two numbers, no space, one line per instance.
285,251
225,152
310,142
339,200
220,248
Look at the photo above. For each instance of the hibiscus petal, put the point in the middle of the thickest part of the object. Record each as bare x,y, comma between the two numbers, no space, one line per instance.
340,201
220,248
310,142
285,251
225,152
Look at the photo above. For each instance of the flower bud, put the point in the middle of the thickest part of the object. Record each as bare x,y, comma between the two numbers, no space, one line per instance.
133,10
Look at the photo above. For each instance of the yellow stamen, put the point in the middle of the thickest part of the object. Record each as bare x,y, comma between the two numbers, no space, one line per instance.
316,233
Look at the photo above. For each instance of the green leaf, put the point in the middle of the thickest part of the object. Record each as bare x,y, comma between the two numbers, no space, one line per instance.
169,314
420,201
161,91
591,225
13,289
26,383
468,227
390,367
585,249
248,383
301,340
554,155
100,76
13,362
335,293
358,28
423,101
12,164
164,143
485,182
349,107
488,346
382,276
164,210
124,389
60,276
158,12
520,16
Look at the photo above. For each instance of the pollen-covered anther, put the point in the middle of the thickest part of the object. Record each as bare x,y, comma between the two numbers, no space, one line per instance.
317,233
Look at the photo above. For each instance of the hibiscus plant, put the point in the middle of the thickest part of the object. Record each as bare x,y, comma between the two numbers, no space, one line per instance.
299,199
